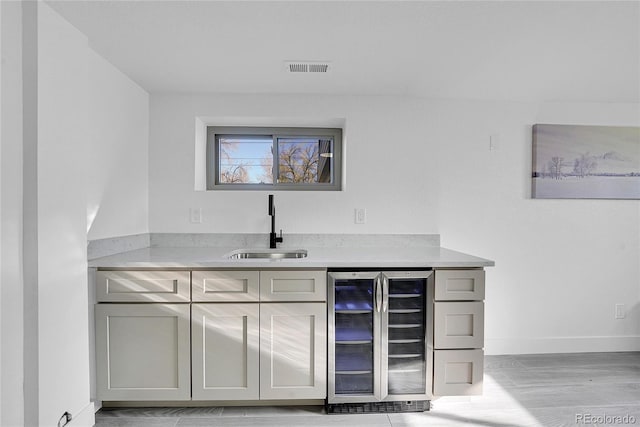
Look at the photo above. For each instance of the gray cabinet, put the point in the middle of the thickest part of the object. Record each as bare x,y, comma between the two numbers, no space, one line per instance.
143,286
143,352
293,349
225,359
457,372
293,285
459,285
272,347
458,325
225,286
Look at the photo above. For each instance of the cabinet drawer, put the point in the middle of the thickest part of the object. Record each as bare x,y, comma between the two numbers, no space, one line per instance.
143,286
225,286
457,372
458,325
459,285
293,285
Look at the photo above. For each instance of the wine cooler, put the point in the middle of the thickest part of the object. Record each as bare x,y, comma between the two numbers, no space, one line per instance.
380,338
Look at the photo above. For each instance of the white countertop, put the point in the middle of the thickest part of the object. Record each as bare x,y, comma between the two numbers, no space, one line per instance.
318,257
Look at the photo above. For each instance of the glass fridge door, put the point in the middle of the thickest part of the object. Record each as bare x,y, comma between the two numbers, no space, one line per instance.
354,332
404,327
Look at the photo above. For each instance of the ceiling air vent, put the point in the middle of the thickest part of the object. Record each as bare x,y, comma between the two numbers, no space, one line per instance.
307,66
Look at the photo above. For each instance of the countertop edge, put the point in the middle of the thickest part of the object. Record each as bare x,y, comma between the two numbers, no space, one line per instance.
354,257
364,264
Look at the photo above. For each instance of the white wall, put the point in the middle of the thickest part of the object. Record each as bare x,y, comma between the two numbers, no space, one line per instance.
118,144
561,265
92,182
11,283
0,219
63,348
377,129
60,103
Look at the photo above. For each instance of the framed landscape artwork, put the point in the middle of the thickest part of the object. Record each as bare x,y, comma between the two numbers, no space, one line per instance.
585,162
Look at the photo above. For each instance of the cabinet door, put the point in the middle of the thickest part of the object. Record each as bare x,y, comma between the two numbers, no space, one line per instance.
404,326
353,326
225,285
143,352
293,348
142,286
225,350
293,285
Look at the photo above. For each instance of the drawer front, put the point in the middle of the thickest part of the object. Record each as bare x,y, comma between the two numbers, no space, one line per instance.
458,325
293,285
225,286
457,372
143,286
459,285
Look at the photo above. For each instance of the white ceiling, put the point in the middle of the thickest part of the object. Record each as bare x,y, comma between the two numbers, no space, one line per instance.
552,51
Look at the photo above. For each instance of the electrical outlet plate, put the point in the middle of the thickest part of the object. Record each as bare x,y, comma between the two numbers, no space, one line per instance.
494,142
620,312
360,216
195,215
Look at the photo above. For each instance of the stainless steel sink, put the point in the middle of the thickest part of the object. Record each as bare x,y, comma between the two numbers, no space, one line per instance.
267,253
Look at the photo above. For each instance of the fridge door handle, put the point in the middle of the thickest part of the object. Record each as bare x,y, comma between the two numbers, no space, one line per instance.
385,293
378,295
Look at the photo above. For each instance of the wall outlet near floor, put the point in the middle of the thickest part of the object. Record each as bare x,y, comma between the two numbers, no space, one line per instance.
360,216
195,215
620,312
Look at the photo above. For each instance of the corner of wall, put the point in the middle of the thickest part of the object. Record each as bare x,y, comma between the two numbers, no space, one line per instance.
200,155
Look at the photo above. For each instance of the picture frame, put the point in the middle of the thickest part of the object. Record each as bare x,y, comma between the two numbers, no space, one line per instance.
585,162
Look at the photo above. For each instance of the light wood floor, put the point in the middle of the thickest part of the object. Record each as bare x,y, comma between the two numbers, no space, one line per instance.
525,390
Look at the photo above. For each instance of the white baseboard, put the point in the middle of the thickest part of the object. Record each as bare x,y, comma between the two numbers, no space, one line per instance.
561,345
85,418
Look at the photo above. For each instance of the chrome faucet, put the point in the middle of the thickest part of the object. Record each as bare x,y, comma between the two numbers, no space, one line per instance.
273,239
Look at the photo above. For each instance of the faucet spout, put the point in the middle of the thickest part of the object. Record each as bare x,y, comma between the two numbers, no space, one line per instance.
272,208
273,238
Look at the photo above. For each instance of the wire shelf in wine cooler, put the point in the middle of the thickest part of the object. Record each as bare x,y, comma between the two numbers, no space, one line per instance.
406,348
397,335
349,383
353,305
406,382
408,303
353,311
354,358
351,335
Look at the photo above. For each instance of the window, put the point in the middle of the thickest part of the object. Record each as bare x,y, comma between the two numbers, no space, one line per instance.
251,158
